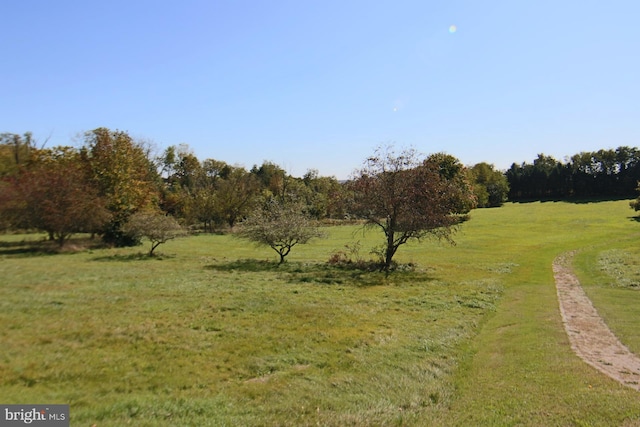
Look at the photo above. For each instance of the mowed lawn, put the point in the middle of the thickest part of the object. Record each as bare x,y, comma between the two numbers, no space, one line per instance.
214,333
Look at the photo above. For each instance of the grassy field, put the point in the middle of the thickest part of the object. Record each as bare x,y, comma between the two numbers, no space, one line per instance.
213,333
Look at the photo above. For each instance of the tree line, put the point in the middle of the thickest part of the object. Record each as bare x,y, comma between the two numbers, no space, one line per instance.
111,176
596,174
122,190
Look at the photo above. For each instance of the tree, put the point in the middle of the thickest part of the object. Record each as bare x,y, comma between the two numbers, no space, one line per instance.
605,173
407,198
322,195
7,202
279,226
124,175
16,151
454,174
155,226
54,195
236,195
490,186
200,206
273,178
189,174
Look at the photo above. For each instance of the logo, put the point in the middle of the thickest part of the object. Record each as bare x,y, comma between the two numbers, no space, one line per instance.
34,415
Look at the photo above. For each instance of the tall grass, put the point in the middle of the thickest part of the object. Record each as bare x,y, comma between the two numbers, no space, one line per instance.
214,333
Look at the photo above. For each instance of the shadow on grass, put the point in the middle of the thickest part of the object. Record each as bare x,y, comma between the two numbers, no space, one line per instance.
575,200
29,248
323,273
249,265
24,249
138,256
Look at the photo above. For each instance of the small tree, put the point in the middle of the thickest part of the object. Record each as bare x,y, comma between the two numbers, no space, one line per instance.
409,199
279,226
155,226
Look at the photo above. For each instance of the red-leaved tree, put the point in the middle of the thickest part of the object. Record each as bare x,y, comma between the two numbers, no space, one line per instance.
408,198
55,195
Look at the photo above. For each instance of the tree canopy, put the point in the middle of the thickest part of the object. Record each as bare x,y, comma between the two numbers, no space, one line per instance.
409,198
98,187
124,175
602,173
490,186
54,195
281,226
155,226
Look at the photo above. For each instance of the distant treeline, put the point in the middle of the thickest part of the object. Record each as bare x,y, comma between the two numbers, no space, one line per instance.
602,174
100,186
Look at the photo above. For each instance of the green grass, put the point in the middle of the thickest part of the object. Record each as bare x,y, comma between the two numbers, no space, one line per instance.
520,369
214,333
611,278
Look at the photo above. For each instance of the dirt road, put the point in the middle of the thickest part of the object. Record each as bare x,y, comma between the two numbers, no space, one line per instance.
590,337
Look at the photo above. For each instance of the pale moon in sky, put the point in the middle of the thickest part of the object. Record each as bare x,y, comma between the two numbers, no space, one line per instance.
452,29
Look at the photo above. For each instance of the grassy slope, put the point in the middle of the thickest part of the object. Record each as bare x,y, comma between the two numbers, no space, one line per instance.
522,371
206,337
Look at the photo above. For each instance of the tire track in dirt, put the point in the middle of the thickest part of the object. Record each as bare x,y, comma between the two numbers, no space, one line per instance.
591,339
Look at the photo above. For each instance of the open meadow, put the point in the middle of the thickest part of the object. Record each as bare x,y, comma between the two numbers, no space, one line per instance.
212,332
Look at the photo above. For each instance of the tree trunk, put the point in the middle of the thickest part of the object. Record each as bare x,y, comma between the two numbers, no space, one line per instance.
389,252
153,247
283,252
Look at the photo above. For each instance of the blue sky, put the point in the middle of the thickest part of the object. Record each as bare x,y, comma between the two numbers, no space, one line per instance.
319,84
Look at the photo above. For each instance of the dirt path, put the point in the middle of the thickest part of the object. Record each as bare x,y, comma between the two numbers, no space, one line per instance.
590,337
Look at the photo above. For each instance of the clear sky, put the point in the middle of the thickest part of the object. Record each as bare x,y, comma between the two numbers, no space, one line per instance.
319,84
